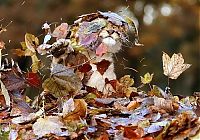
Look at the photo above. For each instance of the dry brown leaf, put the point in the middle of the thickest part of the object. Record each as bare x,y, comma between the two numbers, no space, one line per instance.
167,105
2,45
80,111
132,105
5,93
174,66
63,81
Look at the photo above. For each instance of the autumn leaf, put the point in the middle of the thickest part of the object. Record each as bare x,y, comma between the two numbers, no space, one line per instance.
85,68
103,136
88,39
132,105
102,66
5,93
2,45
174,66
132,132
155,91
147,78
24,118
168,105
126,80
61,31
68,106
36,63
47,125
19,105
79,111
31,42
13,79
18,52
63,81
33,79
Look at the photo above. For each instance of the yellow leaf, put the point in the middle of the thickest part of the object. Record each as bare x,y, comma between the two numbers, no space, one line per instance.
23,44
31,42
126,81
147,78
174,66
155,91
36,63
28,52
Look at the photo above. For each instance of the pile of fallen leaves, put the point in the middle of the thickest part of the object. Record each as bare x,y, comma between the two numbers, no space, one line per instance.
81,98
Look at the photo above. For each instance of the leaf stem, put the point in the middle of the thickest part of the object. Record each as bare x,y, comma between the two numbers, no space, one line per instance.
150,86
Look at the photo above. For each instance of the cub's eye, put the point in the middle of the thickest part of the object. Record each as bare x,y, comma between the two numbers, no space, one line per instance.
104,34
115,36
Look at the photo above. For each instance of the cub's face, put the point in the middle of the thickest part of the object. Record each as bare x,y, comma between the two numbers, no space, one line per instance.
99,32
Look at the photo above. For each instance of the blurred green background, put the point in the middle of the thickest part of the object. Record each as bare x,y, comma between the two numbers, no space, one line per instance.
171,26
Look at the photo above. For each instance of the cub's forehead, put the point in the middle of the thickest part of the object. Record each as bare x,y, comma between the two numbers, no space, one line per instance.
111,17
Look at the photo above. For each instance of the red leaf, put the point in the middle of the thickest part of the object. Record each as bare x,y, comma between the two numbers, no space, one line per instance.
33,79
113,83
85,68
131,133
2,101
3,114
102,66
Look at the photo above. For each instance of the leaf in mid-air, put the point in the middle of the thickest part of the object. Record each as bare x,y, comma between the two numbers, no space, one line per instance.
147,78
61,31
174,66
2,45
36,63
31,42
126,80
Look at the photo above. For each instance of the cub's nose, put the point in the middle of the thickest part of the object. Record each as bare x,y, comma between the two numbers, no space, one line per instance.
110,32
